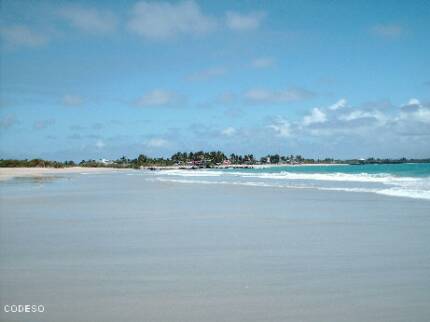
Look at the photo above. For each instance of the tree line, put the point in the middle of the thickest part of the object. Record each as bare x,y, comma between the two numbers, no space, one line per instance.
199,158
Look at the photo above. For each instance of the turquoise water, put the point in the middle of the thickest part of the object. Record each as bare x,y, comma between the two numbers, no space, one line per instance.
402,170
395,180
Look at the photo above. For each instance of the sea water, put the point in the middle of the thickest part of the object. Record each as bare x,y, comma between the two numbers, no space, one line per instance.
400,180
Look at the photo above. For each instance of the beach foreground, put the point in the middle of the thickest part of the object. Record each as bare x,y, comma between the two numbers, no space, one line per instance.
108,246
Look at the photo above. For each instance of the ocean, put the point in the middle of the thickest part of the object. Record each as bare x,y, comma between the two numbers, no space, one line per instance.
275,244
400,180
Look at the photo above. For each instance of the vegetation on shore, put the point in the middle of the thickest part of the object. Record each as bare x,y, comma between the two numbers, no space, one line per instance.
34,163
197,159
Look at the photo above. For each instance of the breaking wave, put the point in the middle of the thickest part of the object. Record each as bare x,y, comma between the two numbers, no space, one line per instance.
380,183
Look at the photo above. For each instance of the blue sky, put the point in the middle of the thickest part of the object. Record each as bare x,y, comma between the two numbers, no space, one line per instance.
97,79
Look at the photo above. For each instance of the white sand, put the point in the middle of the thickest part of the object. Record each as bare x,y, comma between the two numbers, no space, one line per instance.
120,246
9,173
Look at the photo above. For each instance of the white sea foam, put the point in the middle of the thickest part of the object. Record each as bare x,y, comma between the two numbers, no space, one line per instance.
336,176
384,184
397,192
393,192
381,178
190,173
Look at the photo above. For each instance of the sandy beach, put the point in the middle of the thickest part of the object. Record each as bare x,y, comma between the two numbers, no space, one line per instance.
110,246
10,173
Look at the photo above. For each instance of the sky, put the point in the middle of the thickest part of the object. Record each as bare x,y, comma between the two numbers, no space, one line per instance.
102,79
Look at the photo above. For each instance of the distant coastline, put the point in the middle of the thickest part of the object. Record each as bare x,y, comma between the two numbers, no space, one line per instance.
199,160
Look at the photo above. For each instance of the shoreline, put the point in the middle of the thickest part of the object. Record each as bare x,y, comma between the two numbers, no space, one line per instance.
7,174
10,173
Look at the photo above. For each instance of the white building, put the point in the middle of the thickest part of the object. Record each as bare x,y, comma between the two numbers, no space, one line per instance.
105,161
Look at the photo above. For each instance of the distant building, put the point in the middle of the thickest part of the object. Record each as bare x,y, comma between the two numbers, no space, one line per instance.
105,161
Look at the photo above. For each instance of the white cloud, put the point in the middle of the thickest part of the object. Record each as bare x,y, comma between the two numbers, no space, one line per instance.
316,116
157,97
243,22
72,100
415,111
91,20
360,114
281,96
412,119
330,121
163,20
388,31
100,144
354,115
208,73
369,129
413,101
262,62
229,131
156,143
20,35
281,127
338,105
422,115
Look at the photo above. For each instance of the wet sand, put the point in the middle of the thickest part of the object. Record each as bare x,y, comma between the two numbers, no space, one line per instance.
10,173
112,247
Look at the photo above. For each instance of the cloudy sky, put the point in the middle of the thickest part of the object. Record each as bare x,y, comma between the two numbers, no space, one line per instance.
95,79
